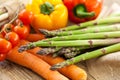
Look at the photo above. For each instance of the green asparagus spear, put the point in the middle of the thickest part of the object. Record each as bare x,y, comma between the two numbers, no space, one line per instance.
88,55
105,28
101,35
109,20
97,42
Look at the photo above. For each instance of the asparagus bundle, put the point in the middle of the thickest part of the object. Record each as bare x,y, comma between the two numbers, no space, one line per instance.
95,29
88,55
70,41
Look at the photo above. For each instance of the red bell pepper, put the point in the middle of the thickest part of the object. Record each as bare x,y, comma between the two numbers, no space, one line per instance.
83,10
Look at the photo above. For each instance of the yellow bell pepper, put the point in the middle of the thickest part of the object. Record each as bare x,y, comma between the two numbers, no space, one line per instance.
48,14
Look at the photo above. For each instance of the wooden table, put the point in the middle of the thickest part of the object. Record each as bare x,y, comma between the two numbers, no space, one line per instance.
12,71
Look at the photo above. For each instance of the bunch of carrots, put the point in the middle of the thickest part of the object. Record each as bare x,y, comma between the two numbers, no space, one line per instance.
38,63
12,36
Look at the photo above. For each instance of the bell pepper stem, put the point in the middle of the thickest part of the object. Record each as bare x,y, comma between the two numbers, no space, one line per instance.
81,12
46,8
84,14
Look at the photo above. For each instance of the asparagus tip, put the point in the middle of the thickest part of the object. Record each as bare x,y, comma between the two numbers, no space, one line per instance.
22,48
25,47
41,52
54,55
45,32
56,66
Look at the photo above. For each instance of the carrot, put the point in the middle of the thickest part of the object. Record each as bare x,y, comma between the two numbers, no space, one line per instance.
34,63
73,72
35,37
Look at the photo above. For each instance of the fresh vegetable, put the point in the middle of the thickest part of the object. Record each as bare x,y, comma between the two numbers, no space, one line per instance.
93,30
22,30
5,46
48,14
35,37
73,72
88,55
34,63
91,43
106,21
2,56
26,16
100,35
83,10
13,38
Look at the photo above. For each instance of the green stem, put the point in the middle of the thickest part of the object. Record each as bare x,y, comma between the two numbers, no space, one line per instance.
91,43
77,42
96,29
88,55
46,8
81,12
101,35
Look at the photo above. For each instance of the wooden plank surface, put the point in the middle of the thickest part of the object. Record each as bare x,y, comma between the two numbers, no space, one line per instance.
12,71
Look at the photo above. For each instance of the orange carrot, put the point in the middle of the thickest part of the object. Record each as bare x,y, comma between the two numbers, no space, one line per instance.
35,37
34,63
73,72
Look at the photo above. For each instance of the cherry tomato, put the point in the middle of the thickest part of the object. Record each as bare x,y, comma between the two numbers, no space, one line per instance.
26,16
13,38
5,46
22,30
2,57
